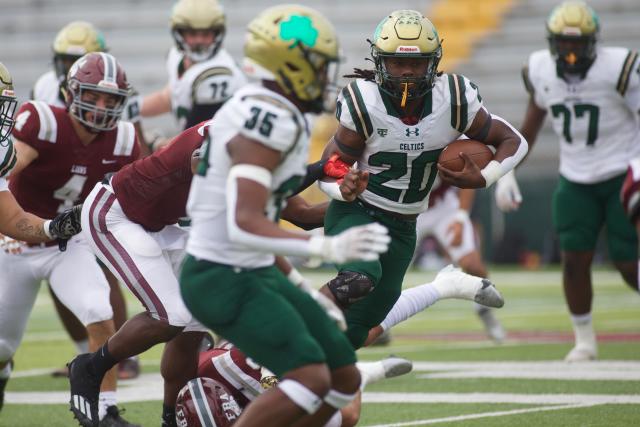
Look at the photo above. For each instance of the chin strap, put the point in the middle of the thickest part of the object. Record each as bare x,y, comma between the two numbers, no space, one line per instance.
405,94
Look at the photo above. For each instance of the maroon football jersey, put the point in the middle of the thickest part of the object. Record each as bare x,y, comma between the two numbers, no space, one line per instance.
153,191
630,192
230,366
66,170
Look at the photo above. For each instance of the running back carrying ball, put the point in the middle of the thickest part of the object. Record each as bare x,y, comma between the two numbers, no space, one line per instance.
477,151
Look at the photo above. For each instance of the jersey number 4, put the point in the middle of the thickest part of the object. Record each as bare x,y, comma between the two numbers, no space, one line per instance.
420,181
579,110
70,192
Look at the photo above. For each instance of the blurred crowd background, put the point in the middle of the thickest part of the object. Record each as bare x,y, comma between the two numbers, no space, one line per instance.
486,40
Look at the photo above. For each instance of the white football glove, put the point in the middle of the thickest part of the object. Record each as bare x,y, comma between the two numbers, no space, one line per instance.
332,310
508,196
360,243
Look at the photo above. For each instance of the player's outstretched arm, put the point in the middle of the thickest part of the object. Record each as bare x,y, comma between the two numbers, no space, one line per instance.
18,224
248,192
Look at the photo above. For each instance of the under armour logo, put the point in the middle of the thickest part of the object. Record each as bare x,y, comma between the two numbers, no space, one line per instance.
415,131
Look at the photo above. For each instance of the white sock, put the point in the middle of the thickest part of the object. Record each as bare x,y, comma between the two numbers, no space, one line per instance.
82,347
335,421
478,307
107,398
370,372
5,372
583,330
411,302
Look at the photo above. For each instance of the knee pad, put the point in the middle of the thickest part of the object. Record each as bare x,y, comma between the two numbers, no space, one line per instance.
301,396
349,287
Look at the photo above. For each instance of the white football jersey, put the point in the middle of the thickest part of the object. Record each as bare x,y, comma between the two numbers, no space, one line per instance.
596,118
208,82
8,158
264,116
47,90
401,158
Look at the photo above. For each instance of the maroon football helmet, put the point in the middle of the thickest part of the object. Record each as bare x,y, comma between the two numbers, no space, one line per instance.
97,72
206,402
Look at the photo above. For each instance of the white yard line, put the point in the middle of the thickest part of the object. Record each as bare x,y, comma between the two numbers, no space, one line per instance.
553,370
481,415
515,398
149,387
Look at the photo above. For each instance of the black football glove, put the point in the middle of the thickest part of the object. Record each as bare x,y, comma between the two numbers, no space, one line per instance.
65,225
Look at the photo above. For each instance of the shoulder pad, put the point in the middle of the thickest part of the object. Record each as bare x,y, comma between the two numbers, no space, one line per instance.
356,117
125,139
48,130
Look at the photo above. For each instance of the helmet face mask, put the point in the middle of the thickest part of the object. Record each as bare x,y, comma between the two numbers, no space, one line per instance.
191,22
416,83
406,51
8,103
296,47
572,32
93,77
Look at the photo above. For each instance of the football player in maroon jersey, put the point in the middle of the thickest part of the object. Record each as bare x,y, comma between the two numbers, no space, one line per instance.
61,154
245,380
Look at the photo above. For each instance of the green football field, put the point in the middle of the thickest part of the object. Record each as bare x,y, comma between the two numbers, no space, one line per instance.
459,378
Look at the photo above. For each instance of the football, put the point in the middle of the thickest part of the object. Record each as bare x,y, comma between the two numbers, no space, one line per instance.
476,150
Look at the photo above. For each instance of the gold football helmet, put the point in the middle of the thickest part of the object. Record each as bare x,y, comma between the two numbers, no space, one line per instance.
295,46
572,31
406,34
72,42
198,15
8,103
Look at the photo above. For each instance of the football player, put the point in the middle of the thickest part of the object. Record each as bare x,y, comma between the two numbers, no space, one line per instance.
61,154
202,75
447,219
130,222
394,122
72,41
245,380
14,221
254,159
593,96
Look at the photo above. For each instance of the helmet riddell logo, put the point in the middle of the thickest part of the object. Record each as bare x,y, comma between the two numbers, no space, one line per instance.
408,49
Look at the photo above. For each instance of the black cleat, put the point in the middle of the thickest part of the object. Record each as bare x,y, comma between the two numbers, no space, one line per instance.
113,418
85,391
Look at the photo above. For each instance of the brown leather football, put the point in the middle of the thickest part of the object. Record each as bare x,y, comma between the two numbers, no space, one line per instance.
478,151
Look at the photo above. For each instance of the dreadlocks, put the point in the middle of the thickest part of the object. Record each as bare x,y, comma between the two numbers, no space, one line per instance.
368,75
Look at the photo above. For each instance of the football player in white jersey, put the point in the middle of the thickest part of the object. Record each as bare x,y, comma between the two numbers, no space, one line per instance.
593,96
14,221
202,74
394,122
255,156
72,41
